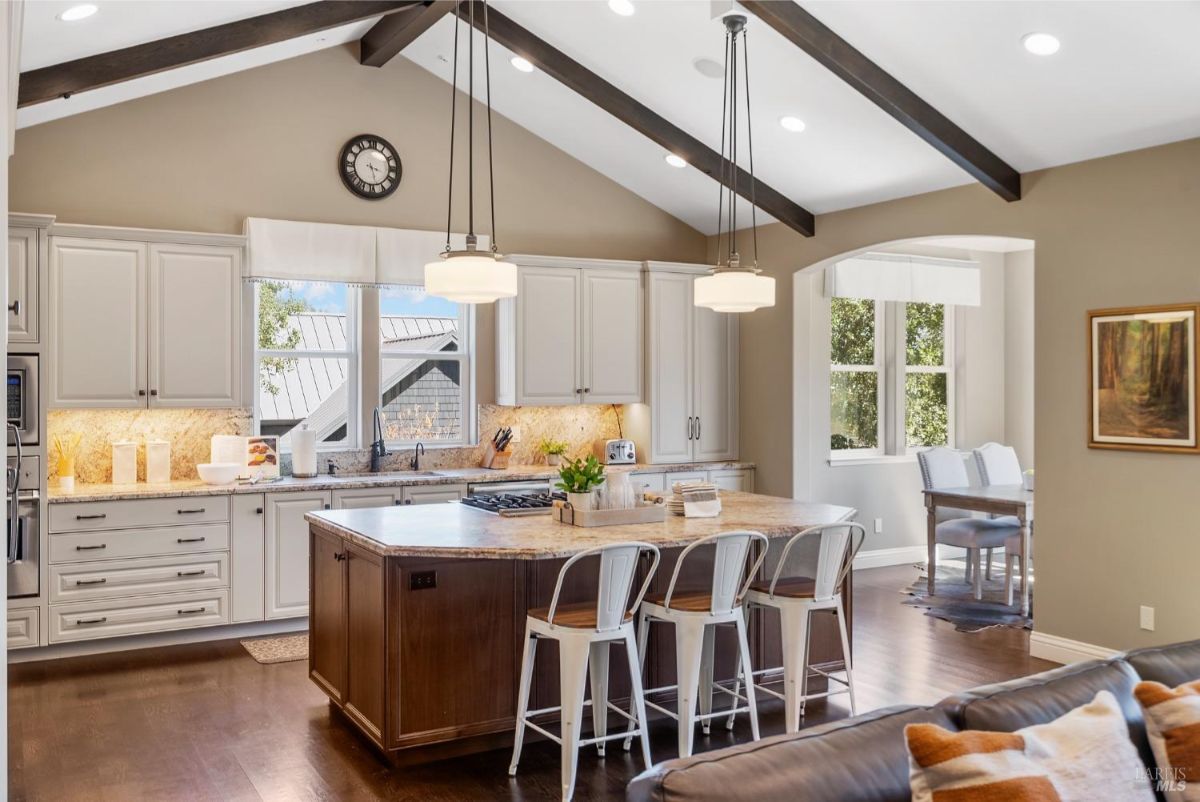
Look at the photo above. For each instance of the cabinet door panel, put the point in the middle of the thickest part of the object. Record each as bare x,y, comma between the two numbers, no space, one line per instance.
670,334
612,337
715,388
548,330
194,325
360,498
433,494
98,338
23,285
287,551
248,545
366,641
327,628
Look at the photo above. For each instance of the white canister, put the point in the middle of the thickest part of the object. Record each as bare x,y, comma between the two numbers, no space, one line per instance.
158,461
124,462
229,448
304,452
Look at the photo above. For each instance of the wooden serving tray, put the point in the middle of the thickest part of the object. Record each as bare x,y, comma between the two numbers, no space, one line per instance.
641,514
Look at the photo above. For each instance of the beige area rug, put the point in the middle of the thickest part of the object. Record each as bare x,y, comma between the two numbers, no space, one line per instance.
276,649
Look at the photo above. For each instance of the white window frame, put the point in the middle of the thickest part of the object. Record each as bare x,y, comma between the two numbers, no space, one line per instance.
892,369
353,366
465,356
878,366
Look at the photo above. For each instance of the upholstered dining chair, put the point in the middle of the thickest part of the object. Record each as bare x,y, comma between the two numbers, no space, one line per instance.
998,465
943,468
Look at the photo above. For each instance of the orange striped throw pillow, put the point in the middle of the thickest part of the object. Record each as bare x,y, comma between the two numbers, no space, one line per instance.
1173,725
1083,755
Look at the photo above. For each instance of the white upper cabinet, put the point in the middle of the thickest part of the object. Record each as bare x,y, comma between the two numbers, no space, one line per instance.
97,323
692,374
136,324
573,334
194,325
24,257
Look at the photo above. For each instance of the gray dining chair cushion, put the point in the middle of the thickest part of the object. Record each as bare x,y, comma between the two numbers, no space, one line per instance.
975,533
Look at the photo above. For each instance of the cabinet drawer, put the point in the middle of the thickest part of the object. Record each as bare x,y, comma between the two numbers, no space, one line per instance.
113,578
71,547
23,628
652,482
435,494
107,619
683,476
89,516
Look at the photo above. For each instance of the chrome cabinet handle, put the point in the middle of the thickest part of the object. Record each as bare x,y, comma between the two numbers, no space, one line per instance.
96,517
697,427
201,572
15,307
190,512
91,548
82,621
690,429
90,581
191,611
189,540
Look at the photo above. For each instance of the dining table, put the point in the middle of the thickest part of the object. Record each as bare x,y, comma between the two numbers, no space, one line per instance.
1012,500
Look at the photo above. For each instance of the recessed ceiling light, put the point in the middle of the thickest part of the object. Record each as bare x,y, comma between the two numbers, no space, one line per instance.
1041,44
709,68
522,64
793,124
76,13
623,7
675,161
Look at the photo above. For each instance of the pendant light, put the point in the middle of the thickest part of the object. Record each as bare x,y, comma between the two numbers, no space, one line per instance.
471,276
731,286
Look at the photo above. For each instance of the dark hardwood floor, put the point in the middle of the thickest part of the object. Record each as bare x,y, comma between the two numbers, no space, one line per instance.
204,721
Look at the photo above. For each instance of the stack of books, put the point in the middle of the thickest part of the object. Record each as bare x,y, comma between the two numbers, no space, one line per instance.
695,500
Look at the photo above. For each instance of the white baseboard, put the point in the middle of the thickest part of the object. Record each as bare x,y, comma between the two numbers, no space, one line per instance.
104,645
1065,650
880,558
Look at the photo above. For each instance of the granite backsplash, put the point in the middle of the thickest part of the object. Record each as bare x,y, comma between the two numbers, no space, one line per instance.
190,430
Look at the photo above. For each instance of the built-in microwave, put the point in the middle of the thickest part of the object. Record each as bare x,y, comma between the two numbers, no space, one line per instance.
23,396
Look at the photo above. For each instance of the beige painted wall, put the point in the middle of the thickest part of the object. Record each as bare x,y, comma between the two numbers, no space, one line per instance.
1115,529
265,143
1019,344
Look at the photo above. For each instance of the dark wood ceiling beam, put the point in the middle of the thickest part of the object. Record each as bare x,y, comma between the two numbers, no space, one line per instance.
877,85
106,69
397,31
641,118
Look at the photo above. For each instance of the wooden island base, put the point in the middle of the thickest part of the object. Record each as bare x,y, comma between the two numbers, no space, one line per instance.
422,654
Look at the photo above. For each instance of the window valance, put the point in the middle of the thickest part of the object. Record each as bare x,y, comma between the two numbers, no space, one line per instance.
288,250
900,277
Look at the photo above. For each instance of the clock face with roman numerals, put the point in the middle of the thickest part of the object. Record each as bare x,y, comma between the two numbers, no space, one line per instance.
369,167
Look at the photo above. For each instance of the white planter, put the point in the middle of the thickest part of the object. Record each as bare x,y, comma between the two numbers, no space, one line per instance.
554,459
582,501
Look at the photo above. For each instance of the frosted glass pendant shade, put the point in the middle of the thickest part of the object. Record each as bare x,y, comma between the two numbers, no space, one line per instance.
734,291
469,277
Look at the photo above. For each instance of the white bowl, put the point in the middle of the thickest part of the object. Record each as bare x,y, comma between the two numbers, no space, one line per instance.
218,473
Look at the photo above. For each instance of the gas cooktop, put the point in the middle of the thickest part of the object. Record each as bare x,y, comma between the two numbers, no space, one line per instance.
514,504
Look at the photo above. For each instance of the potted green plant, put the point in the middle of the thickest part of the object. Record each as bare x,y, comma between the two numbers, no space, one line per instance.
553,449
580,478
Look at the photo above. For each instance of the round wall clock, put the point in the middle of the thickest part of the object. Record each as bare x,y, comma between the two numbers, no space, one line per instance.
369,166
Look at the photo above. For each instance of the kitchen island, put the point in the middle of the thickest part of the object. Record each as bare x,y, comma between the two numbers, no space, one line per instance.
417,613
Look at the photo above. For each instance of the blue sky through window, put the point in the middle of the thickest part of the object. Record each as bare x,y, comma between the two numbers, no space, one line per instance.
331,299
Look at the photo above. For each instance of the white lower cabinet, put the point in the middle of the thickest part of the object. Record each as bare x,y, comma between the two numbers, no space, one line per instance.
287,550
365,497
138,615
106,579
433,494
248,557
24,628
739,479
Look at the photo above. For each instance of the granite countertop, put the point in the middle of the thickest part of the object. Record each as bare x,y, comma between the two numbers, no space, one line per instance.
448,476
456,530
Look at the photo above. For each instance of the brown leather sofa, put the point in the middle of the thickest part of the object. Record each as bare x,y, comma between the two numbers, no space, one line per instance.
864,758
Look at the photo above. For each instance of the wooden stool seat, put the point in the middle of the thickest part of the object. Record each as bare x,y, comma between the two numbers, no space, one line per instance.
581,615
687,601
799,587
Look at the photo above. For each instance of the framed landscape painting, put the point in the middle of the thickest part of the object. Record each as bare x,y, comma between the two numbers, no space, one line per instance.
1142,384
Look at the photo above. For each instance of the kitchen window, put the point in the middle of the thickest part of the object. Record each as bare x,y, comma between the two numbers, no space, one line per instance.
891,377
425,387
311,367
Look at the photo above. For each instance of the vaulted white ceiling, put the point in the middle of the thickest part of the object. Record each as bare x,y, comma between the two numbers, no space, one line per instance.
1127,77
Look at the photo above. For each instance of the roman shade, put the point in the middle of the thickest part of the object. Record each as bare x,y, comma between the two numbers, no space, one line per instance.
900,277
367,256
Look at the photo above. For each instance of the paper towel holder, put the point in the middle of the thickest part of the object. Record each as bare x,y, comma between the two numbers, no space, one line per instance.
304,453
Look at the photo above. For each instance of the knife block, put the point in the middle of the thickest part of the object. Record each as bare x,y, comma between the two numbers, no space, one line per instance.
495,460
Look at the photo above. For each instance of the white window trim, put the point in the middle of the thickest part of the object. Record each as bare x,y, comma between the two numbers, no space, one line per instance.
890,351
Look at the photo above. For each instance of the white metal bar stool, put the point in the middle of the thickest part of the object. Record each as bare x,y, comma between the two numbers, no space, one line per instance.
584,632
796,598
695,616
